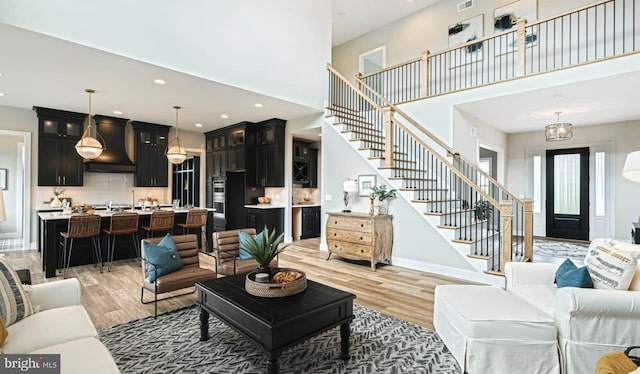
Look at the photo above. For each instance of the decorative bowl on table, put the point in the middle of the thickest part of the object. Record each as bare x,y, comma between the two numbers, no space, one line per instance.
264,200
284,282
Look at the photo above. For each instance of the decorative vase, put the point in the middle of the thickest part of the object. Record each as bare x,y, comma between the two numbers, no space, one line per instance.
381,207
263,269
55,203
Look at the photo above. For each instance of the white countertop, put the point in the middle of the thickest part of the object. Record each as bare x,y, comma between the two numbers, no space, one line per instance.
103,213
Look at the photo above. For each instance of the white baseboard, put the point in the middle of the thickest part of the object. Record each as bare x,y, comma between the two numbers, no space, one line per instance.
324,247
33,245
469,275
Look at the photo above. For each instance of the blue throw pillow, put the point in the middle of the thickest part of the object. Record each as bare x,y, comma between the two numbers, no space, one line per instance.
243,253
164,255
569,275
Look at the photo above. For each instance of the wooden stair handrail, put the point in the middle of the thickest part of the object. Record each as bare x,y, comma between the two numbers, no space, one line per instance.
448,164
367,98
438,141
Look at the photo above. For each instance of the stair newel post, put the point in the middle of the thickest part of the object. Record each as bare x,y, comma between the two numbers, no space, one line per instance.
521,33
424,74
506,214
528,229
387,111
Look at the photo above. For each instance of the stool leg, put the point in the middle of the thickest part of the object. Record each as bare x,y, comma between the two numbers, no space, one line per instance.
97,249
61,260
138,251
111,249
67,257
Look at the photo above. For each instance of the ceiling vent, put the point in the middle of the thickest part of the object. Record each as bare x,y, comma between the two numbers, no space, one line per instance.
465,5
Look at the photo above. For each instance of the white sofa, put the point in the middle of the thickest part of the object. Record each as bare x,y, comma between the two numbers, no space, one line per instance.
589,322
61,327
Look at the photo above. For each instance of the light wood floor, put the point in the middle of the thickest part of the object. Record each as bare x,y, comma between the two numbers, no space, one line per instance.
114,298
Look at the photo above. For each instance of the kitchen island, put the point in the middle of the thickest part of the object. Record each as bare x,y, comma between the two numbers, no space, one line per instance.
51,224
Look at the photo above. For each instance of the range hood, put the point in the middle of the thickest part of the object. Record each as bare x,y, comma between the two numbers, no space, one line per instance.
114,159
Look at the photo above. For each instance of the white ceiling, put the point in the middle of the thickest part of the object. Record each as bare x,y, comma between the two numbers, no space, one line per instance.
353,18
39,70
591,102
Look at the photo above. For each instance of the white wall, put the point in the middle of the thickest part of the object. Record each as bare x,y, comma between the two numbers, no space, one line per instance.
414,239
427,29
625,138
277,48
9,160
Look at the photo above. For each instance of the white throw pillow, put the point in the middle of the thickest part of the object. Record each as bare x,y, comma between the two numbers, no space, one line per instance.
611,268
14,302
630,248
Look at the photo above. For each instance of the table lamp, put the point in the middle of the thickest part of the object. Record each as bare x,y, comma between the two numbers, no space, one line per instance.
631,168
348,187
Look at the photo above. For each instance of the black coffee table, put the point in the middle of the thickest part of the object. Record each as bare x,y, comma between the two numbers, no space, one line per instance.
276,324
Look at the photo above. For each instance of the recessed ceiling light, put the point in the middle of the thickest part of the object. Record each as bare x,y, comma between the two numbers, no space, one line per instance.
159,81
198,125
258,105
320,135
117,112
224,116
1,94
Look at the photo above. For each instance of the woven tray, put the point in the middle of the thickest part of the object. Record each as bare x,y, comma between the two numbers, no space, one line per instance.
275,289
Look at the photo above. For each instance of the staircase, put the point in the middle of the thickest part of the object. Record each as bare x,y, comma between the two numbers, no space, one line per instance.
488,224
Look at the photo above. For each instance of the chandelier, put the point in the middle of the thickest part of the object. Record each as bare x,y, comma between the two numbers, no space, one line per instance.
88,147
558,131
175,151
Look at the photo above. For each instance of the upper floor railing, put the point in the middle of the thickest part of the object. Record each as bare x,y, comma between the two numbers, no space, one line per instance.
603,30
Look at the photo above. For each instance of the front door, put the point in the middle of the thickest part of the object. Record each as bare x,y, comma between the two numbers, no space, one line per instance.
568,193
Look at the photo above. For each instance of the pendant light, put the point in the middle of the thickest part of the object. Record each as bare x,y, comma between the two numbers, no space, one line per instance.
175,151
558,131
88,147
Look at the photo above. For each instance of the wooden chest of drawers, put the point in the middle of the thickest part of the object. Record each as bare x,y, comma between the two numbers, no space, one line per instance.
358,236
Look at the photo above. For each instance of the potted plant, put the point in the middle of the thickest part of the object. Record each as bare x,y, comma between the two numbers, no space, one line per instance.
264,247
484,210
382,197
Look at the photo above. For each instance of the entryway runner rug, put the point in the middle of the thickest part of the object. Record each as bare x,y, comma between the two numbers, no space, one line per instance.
552,248
379,344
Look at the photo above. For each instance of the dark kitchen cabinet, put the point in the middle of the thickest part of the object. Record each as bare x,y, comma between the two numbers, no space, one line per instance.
300,150
271,218
310,222
269,153
313,169
58,162
151,163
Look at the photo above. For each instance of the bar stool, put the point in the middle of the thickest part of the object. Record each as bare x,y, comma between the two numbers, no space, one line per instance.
196,218
81,226
122,224
161,220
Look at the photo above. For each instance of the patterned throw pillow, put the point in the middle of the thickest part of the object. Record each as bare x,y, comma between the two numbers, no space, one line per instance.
630,248
14,302
611,268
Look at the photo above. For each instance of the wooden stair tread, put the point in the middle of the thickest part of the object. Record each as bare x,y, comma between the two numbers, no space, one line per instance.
480,257
356,126
379,150
433,201
423,189
493,272
413,179
361,133
365,140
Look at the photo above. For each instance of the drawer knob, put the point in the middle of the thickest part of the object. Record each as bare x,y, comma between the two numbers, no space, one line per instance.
362,225
362,251
336,222
335,234
335,246
361,238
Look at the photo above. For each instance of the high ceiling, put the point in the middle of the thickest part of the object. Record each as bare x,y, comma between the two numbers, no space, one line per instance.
353,18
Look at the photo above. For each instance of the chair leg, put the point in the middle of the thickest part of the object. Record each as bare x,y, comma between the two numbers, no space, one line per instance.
155,301
67,257
97,249
111,250
136,238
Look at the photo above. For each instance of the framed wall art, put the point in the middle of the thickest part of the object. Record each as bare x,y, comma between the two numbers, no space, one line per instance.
505,18
464,32
365,183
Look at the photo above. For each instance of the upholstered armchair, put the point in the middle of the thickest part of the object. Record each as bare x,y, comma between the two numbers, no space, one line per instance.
226,249
590,322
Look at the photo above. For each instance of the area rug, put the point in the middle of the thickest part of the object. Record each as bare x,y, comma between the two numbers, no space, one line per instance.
552,248
379,344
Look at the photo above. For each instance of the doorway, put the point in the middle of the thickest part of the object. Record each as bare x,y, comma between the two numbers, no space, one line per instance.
186,182
567,191
373,60
15,161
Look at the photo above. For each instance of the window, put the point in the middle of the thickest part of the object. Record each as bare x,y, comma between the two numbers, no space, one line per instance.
537,184
566,189
483,182
599,184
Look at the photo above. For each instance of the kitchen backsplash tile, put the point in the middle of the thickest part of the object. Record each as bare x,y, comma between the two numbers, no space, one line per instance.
101,187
